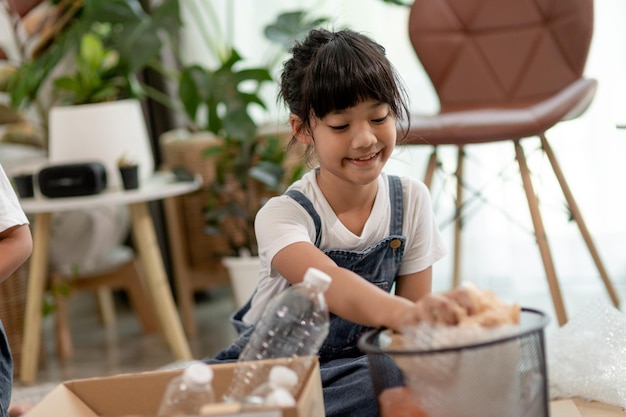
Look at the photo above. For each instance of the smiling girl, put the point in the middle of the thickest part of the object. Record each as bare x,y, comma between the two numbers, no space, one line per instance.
374,234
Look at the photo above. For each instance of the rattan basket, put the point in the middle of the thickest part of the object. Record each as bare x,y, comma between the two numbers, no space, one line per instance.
12,310
204,251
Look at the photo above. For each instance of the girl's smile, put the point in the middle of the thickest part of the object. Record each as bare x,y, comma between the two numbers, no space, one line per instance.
353,144
365,160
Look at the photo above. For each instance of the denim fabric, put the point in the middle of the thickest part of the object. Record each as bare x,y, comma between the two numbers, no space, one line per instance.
346,382
6,373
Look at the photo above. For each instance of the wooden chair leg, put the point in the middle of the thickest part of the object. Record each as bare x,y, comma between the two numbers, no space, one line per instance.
106,306
62,333
577,216
540,234
458,218
430,168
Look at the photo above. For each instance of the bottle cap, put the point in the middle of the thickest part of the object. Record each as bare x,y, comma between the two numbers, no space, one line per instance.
280,397
198,373
317,278
281,376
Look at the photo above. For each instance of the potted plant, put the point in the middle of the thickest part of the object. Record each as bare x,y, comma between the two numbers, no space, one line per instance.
129,172
250,164
83,74
108,42
77,65
247,164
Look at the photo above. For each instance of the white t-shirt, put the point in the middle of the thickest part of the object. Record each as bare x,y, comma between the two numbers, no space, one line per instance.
282,221
11,213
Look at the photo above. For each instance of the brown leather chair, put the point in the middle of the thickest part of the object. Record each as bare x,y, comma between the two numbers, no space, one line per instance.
505,70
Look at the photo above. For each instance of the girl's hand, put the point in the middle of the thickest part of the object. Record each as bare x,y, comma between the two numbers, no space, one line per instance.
436,309
463,306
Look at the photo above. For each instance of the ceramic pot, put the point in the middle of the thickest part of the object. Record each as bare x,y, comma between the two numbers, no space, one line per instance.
101,132
24,185
130,176
243,273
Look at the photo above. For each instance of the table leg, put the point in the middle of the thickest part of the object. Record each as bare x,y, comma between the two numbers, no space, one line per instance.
182,275
156,280
34,298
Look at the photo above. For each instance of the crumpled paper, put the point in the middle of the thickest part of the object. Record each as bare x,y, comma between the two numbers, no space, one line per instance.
587,356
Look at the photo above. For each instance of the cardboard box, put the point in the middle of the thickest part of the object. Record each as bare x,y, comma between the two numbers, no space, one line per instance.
140,394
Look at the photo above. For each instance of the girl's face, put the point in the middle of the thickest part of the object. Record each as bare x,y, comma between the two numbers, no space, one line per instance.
353,144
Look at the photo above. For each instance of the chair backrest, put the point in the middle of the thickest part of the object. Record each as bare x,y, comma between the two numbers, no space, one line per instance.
485,53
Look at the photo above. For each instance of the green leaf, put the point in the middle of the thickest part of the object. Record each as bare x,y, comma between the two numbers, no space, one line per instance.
239,124
213,151
92,51
269,174
193,89
291,26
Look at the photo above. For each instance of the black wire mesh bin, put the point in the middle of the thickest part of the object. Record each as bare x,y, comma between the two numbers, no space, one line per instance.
501,374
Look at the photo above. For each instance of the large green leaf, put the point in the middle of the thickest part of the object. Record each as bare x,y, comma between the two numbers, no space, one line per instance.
134,34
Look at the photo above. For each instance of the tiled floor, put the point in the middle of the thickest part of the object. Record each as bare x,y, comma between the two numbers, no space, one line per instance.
123,348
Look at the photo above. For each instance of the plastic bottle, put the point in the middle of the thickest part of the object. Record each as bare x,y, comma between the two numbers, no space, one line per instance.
189,392
295,323
276,391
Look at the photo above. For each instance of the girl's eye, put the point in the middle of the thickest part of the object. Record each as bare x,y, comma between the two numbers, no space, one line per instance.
382,119
340,127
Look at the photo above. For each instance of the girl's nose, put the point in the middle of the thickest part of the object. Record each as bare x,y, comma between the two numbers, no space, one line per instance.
364,137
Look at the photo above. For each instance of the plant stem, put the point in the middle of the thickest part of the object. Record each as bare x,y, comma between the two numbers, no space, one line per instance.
216,46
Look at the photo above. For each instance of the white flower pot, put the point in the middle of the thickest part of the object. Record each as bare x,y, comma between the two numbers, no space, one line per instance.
243,273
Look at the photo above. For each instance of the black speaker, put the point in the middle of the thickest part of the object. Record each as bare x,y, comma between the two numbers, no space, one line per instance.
72,180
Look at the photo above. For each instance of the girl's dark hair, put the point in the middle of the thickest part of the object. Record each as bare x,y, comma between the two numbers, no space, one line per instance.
331,71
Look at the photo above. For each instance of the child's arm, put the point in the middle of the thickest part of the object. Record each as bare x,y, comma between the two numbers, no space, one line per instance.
349,296
415,286
16,245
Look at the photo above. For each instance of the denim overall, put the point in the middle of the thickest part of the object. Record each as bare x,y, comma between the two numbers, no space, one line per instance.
6,372
344,368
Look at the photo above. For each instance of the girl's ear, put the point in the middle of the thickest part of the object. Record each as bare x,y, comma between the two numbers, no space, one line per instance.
299,131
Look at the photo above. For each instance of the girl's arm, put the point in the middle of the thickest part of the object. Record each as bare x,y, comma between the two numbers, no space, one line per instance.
349,295
16,245
415,286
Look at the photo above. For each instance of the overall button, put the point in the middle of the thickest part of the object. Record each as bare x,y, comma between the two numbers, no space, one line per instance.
395,244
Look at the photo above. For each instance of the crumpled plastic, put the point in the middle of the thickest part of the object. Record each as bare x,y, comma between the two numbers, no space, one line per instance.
587,356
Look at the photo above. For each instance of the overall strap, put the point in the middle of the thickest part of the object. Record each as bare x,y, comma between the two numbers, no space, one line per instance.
397,206
308,206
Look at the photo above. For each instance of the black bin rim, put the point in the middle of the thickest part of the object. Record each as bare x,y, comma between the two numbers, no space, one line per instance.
531,321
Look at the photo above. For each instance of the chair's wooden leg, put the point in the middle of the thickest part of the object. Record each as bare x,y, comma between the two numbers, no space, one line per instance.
430,168
62,333
106,306
577,216
138,296
458,218
540,235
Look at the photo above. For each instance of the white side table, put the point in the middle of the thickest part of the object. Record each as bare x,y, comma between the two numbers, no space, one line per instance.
159,186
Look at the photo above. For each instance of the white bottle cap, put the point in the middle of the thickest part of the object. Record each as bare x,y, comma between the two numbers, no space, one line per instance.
317,278
281,376
198,373
280,397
